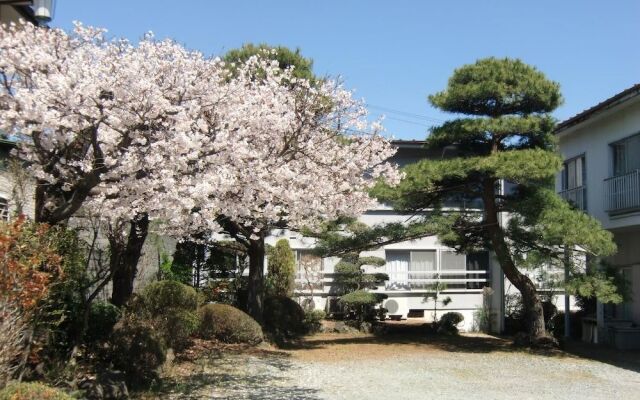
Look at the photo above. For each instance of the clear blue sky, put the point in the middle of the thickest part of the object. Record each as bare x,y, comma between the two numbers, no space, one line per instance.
395,53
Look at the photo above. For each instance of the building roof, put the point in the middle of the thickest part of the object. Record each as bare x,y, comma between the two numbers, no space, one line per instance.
605,105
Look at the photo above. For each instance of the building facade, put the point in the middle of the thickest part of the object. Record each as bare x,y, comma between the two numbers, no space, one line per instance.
413,267
601,175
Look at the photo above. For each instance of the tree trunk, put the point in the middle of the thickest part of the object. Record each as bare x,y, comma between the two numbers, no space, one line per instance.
255,295
124,259
534,315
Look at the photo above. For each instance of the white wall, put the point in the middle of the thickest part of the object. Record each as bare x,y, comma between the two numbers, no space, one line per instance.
592,138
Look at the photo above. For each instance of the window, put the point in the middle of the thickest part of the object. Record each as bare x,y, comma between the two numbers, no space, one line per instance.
574,175
409,270
625,155
452,261
4,209
403,266
308,270
478,262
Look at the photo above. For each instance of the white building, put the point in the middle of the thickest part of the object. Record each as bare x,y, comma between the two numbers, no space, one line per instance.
601,175
413,267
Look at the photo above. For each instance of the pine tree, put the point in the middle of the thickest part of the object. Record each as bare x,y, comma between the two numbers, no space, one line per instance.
505,135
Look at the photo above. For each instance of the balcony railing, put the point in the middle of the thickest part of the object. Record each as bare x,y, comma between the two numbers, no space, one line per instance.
424,280
622,192
576,196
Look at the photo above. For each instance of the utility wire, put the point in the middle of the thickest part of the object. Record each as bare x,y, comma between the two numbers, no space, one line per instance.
405,113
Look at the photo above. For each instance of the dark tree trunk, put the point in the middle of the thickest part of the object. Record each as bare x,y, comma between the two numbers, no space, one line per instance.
124,259
534,315
255,295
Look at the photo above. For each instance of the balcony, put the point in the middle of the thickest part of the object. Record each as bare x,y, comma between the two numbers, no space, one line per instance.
424,280
576,196
622,193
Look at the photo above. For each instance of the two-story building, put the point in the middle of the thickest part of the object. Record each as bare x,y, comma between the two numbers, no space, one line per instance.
413,267
601,175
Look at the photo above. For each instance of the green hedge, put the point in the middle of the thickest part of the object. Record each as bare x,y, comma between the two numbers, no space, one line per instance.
228,324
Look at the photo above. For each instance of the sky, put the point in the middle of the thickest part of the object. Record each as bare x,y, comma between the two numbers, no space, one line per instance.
393,54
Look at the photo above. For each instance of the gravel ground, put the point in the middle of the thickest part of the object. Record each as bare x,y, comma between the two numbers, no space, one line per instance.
352,367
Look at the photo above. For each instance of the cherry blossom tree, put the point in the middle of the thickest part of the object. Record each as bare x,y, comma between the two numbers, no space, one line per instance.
154,132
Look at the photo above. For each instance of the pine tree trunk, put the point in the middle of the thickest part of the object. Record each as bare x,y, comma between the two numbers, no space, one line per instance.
533,311
124,260
255,295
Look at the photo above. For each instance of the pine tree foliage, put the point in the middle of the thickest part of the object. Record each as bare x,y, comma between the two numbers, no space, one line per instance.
505,135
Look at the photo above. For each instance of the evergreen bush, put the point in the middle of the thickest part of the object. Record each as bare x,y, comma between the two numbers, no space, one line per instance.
283,317
228,324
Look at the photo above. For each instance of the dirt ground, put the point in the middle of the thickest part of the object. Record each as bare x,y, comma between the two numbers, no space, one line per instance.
400,366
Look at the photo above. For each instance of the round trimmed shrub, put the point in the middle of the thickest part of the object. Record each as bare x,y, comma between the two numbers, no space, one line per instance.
162,295
448,323
283,317
228,324
102,317
171,307
138,351
32,391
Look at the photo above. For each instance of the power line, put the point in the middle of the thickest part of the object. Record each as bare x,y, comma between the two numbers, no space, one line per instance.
405,113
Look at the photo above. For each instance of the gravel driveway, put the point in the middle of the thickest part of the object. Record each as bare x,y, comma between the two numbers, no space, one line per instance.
363,367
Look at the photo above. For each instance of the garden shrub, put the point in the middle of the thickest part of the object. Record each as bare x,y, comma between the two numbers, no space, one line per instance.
171,307
102,317
163,295
283,317
138,351
313,320
228,324
281,271
32,391
177,326
361,304
448,323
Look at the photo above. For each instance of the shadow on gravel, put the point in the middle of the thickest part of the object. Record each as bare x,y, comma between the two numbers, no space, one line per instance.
418,335
629,359
222,382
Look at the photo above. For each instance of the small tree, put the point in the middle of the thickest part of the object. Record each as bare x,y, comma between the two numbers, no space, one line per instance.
435,294
281,269
353,283
351,276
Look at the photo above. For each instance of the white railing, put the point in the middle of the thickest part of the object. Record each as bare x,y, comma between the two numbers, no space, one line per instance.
423,280
622,193
576,196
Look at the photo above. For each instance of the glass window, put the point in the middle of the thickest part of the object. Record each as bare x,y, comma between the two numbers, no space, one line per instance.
308,270
625,155
573,173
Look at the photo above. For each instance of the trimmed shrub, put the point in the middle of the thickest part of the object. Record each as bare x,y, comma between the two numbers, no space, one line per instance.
448,323
171,307
177,326
138,351
281,271
361,304
283,317
228,324
32,391
313,320
162,295
102,317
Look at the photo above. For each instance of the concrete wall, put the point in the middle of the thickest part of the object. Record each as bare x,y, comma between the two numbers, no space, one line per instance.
592,138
